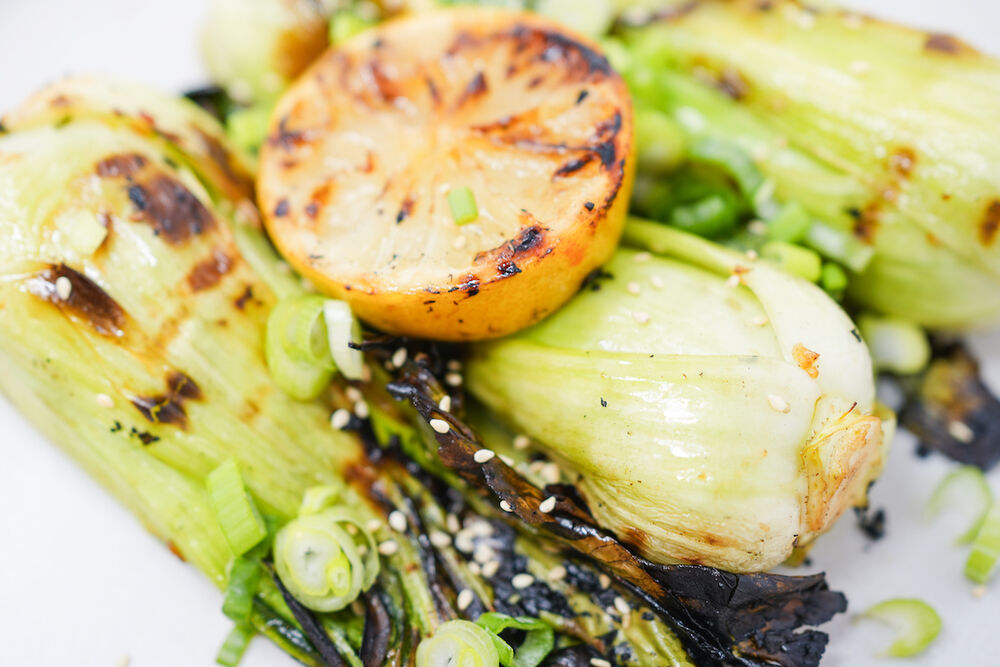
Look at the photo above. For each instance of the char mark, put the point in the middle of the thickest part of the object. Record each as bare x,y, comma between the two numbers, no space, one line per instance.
86,299
477,87
581,62
405,209
174,213
238,180
285,138
991,223
168,408
121,166
942,43
572,166
208,272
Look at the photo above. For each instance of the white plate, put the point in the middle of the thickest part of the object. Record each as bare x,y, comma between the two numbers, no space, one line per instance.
81,583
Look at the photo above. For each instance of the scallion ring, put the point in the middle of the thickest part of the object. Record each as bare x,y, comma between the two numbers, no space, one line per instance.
966,485
982,562
459,644
916,624
298,378
343,330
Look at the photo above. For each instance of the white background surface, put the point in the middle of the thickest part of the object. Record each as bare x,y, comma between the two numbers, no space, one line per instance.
82,584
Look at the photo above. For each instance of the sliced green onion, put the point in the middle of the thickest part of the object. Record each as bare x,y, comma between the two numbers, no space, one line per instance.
916,624
790,224
839,246
833,279
346,24
659,140
244,575
305,331
343,330
982,562
247,128
318,498
297,378
234,508
713,216
966,485
896,345
732,160
794,259
320,563
538,641
458,644
463,205
235,646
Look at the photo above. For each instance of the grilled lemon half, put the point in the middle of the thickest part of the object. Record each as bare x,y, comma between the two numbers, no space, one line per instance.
365,148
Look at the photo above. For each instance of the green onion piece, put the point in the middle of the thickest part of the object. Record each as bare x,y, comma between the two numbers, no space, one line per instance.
659,140
346,24
734,161
244,575
713,216
794,259
247,128
234,508
318,498
463,205
299,379
896,345
320,563
305,333
840,246
235,646
916,624
982,562
967,486
592,18
343,330
538,642
833,279
458,644
790,225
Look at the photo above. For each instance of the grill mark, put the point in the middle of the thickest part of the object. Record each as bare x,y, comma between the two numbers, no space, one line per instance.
572,166
432,90
119,166
866,222
238,180
903,161
173,212
281,209
387,88
477,87
208,272
242,299
582,96
286,139
580,61
87,301
942,43
991,223
168,408
507,269
732,84
405,210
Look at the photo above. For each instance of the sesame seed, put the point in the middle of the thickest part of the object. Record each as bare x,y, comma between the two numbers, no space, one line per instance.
640,316
604,580
460,242
507,460
366,373
657,281
622,606
440,425
483,554
399,357
464,543
550,473
759,321
522,581
353,394
63,287
483,455
361,410
124,661
733,281
961,431
451,521
105,401
340,418
373,525
465,598
397,521
752,254
388,548
641,257
351,529
633,288
475,569
779,404
440,539
505,506
454,365
453,379
547,505
481,528
444,405
490,569
362,549
757,227
978,592
556,574
599,662
522,442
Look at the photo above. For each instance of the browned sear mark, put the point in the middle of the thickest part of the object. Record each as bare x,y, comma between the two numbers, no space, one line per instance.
942,43
477,87
991,223
208,272
806,359
405,209
902,161
239,181
732,84
243,298
86,299
121,166
168,408
173,212
866,222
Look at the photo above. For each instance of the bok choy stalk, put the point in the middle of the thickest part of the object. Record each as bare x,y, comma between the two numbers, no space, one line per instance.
136,290
715,409
878,131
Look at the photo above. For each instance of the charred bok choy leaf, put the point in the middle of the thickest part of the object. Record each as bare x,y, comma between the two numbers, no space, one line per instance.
885,136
